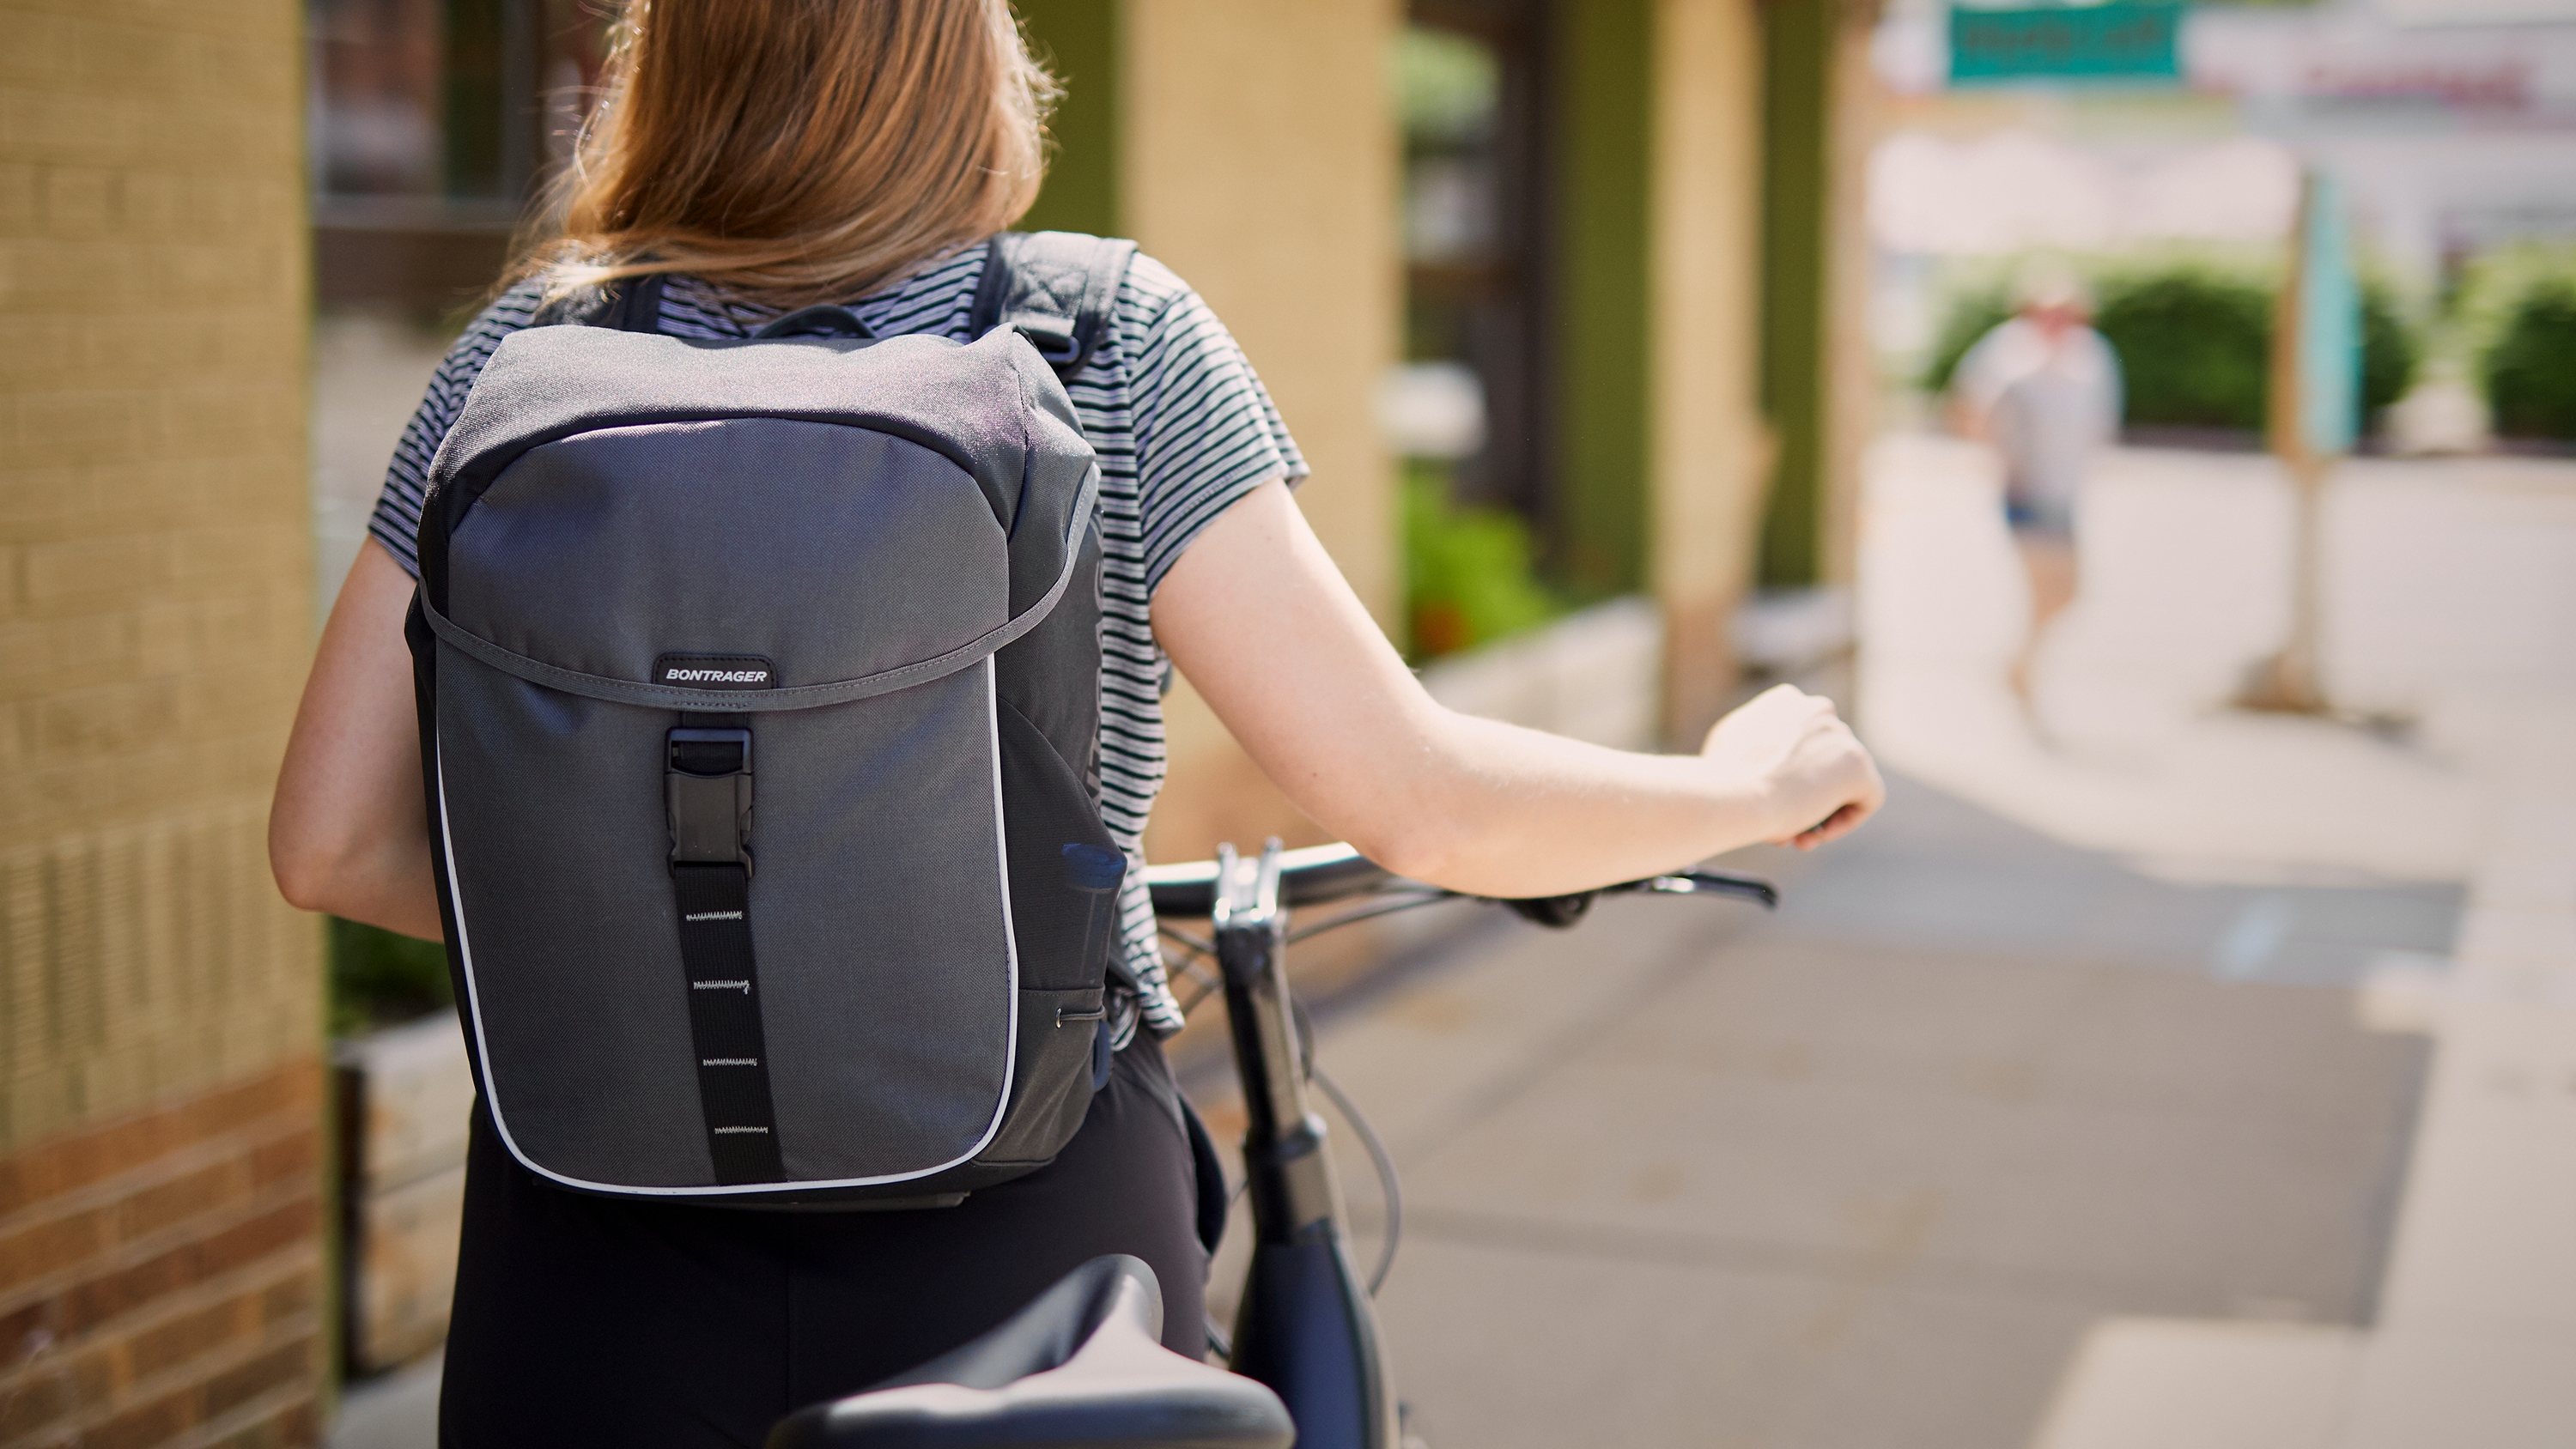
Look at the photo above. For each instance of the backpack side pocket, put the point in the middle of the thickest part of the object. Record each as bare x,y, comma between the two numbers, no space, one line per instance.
1051,1081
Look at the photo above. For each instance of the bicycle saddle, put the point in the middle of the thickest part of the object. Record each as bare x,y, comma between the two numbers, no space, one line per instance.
1083,1365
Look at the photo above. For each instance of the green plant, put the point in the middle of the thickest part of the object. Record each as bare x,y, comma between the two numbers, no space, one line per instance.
1468,578
379,978
1445,84
2530,368
2391,351
2195,346
2489,290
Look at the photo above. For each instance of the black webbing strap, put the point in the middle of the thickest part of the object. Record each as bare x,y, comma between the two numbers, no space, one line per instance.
1056,287
638,304
724,1021
707,784
629,304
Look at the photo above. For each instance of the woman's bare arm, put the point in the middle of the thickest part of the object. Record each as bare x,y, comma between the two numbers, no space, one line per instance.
348,832
1258,617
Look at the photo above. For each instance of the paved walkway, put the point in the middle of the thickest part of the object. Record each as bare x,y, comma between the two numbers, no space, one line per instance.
2450,614
1863,1174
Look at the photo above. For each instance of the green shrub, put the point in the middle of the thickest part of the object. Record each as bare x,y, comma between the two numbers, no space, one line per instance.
2530,368
2491,288
2195,344
1468,574
379,978
2390,351
2195,347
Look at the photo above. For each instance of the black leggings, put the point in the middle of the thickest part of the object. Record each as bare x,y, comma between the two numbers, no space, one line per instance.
586,1320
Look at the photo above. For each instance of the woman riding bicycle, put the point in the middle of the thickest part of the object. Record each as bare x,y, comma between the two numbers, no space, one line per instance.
766,155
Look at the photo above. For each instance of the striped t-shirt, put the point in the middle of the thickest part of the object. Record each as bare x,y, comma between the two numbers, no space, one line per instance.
1182,428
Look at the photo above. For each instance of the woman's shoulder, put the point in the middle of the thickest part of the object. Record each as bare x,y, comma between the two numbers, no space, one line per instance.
1152,290
1168,325
514,307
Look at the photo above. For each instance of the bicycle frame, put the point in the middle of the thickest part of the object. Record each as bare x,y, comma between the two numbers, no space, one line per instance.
1305,1328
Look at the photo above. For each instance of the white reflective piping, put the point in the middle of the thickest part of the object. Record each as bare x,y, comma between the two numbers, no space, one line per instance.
1010,1030
1010,932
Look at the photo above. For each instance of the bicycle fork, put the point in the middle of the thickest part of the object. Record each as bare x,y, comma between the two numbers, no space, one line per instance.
1305,1327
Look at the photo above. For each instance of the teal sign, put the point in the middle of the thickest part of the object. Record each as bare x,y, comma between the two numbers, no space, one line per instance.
2117,43
2328,322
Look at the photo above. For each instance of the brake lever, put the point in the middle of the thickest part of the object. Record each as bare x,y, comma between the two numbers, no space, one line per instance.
1706,883
1560,912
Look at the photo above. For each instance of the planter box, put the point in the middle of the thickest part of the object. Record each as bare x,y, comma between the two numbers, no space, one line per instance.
406,1095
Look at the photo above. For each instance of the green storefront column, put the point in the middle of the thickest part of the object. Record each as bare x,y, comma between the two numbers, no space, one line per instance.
1603,164
1798,39
1079,41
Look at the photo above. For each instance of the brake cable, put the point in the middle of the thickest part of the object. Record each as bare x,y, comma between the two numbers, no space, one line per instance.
1385,906
1390,1186
1388,1183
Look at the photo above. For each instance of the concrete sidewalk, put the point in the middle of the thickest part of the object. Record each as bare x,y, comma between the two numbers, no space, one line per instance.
2449,615
1865,1173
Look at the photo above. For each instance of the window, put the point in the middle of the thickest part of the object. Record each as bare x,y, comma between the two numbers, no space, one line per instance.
432,123
1474,240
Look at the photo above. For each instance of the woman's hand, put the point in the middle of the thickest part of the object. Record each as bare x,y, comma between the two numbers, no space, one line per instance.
1803,760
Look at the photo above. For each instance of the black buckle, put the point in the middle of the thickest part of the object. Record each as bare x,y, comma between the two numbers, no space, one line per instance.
706,783
1051,336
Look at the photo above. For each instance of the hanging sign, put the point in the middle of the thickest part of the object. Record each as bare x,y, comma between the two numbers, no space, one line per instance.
2127,43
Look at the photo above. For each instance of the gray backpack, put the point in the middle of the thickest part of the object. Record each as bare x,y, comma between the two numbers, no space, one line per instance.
759,706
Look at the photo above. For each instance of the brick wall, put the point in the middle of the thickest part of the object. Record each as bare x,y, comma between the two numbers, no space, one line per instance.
163,1274
160,1250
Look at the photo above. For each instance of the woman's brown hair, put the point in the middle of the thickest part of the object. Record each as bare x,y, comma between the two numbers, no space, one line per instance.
797,151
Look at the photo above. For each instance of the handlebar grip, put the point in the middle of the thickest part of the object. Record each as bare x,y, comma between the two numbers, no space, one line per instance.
1554,912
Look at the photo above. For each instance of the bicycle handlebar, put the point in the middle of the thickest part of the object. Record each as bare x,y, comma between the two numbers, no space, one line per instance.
1323,873
1307,877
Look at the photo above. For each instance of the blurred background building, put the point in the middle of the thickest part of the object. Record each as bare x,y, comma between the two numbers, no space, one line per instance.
1615,331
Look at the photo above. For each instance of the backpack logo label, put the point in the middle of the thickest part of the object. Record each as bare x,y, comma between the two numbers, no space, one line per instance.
715,671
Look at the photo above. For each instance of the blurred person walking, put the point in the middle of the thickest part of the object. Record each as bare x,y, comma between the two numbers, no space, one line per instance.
2044,388
759,156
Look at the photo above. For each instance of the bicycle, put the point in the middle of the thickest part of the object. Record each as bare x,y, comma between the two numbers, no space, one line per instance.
1083,1366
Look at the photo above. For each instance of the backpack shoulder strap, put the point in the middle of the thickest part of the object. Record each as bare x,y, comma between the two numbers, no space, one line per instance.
636,306
633,305
1056,287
